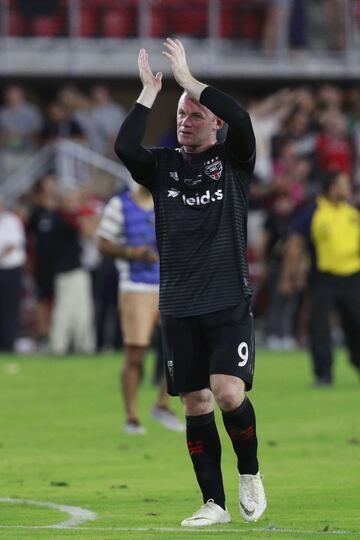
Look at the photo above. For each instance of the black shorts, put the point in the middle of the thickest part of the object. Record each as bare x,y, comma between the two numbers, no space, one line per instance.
196,347
44,281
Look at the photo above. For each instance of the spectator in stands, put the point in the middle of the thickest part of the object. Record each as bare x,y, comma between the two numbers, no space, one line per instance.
333,146
59,124
352,109
304,97
78,108
12,259
301,132
329,98
277,19
290,173
40,229
34,12
334,12
20,124
72,322
267,116
297,128
127,232
297,24
107,117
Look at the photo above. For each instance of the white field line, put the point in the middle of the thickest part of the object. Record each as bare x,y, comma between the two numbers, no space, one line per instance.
185,530
77,515
80,515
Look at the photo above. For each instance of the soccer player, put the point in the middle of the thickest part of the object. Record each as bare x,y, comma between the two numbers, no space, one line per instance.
200,193
127,232
330,229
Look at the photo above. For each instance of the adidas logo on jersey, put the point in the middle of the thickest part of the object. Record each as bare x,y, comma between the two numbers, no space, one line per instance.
202,200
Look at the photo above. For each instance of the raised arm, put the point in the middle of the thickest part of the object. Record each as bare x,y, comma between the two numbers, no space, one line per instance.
240,139
138,159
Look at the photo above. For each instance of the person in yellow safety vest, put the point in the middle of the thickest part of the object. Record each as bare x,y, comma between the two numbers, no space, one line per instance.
330,230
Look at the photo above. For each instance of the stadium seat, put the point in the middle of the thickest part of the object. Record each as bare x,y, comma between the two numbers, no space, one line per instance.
192,19
171,17
160,23
241,20
47,26
17,24
111,4
87,22
118,22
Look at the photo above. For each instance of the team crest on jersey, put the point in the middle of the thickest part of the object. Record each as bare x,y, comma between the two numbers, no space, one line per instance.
213,168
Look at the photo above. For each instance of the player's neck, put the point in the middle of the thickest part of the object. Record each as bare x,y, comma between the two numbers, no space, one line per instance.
198,149
335,200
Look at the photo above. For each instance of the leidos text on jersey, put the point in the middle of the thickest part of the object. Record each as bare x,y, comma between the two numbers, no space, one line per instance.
201,200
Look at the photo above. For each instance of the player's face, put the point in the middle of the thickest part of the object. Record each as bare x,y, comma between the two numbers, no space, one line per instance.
196,125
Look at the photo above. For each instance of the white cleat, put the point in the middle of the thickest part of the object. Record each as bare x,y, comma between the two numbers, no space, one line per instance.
134,428
209,513
167,419
252,500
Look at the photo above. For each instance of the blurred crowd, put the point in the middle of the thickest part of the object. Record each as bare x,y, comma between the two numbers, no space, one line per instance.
91,119
301,132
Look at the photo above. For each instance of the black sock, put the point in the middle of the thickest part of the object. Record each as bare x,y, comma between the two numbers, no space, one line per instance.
241,427
205,452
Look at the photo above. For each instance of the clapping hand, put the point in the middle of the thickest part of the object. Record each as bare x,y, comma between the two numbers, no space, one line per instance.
148,79
175,52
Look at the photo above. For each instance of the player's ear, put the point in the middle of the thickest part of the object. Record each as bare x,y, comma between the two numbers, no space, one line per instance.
219,123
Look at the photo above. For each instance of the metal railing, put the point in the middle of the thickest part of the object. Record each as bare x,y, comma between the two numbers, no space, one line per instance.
72,164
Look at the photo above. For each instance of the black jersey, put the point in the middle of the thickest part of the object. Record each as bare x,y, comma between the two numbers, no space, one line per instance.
201,215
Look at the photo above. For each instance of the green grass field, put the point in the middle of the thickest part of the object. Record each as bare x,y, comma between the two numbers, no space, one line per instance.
61,442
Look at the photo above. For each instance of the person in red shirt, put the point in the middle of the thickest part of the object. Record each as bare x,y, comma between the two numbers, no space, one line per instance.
333,145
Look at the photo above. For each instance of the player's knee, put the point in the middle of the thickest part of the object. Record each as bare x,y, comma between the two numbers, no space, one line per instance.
197,403
134,356
228,396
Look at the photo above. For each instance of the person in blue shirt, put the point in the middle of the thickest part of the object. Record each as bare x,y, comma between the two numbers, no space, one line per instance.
127,232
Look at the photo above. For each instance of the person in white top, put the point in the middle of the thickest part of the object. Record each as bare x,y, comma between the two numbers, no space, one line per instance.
12,258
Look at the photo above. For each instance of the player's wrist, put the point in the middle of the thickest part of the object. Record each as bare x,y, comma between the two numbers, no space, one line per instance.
194,88
148,96
128,253
188,82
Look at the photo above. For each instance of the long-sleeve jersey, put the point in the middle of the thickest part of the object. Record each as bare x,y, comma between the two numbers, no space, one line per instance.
200,205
